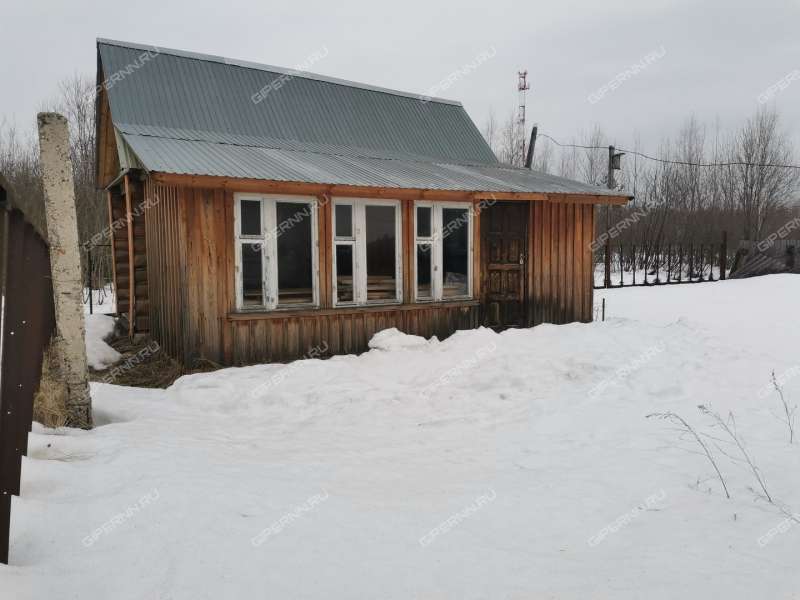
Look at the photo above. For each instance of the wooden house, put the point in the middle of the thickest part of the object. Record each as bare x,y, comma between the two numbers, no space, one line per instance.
273,212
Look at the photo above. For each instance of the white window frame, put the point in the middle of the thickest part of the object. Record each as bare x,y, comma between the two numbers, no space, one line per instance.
359,243
437,247
268,239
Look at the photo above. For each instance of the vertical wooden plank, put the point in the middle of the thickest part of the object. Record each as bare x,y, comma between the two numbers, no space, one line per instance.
325,227
477,276
530,271
569,261
183,201
589,232
562,262
407,250
538,264
577,271
547,261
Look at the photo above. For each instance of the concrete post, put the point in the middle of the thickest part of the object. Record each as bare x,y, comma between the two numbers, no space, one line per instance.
65,266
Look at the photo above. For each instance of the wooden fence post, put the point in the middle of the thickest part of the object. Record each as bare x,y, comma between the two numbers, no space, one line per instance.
607,266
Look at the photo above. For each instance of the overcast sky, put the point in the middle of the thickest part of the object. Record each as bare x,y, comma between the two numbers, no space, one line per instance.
718,56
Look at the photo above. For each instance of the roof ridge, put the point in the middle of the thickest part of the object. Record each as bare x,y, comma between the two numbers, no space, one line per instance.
275,69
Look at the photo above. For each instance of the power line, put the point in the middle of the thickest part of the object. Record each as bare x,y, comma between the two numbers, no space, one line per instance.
672,162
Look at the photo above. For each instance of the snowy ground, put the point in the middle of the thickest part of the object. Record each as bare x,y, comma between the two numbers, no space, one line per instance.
512,466
98,353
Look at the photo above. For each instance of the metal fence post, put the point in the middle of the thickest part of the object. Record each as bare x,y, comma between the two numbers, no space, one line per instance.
89,278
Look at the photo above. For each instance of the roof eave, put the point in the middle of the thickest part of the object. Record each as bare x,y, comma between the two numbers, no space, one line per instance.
307,188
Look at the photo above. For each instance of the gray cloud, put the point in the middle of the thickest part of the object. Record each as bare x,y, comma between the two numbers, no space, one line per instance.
719,55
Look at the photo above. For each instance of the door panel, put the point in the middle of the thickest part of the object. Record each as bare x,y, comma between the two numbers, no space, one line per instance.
504,234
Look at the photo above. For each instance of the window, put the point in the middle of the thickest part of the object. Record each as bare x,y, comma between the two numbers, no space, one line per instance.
443,257
276,252
366,240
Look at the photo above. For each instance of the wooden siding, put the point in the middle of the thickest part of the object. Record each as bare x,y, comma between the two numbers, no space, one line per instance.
560,274
166,268
191,271
208,216
278,338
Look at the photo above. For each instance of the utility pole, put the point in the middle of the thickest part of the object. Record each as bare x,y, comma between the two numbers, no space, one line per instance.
522,87
531,148
613,164
610,179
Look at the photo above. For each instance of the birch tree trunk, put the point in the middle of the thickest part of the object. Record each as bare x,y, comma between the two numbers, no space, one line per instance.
65,264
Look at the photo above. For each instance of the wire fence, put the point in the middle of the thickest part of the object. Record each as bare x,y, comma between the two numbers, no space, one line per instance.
98,286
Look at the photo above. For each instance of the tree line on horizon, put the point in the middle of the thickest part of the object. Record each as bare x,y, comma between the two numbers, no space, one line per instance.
679,203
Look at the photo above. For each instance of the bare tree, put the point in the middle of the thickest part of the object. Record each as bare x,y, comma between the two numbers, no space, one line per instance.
19,162
760,190
593,168
77,103
511,141
543,156
490,132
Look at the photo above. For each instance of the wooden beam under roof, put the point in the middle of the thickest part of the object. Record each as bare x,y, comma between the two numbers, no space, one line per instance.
260,186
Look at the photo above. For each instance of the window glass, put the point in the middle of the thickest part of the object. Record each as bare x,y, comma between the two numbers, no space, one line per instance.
344,273
381,247
251,217
455,252
252,275
424,261
424,221
295,266
344,220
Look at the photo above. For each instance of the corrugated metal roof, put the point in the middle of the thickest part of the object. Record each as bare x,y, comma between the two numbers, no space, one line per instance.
185,157
194,114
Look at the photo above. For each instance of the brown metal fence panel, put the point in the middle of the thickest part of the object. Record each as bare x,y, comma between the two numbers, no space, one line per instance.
27,317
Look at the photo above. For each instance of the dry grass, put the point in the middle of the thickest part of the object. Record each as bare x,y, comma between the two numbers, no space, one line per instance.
50,401
145,364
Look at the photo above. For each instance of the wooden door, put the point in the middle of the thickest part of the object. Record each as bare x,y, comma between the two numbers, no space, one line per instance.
504,235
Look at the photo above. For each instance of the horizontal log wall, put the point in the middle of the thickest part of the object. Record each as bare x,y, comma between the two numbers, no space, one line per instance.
560,272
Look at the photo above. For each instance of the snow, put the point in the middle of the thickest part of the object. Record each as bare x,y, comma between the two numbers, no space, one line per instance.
517,465
98,353
394,339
